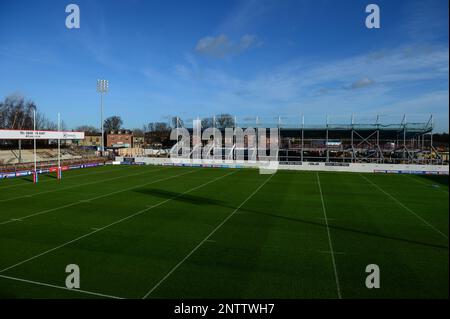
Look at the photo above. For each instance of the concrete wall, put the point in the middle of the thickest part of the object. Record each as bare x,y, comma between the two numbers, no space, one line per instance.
306,166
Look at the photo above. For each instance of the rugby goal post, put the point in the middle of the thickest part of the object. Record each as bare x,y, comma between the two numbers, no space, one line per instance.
42,135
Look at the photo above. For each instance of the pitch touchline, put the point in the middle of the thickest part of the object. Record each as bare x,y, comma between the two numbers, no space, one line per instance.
114,223
59,287
336,276
405,207
80,201
204,240
68,177
75,186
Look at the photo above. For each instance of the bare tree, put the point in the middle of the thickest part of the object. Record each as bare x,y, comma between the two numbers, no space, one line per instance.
138,132
177,122
16,113
224,121
112,123
207,122
44,123
87,128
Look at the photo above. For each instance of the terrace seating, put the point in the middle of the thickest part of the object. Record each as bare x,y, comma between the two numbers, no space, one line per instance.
27,155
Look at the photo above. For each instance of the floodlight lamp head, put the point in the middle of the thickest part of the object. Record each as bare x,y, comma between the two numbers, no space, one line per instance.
102,86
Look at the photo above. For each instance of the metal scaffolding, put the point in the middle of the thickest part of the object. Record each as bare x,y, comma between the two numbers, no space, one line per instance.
402,142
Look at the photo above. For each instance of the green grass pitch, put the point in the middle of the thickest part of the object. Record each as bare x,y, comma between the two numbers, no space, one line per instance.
181,232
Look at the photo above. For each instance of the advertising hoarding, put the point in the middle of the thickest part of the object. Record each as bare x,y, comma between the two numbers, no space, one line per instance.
40,135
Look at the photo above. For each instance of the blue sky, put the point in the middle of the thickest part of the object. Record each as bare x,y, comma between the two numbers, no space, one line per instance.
199,58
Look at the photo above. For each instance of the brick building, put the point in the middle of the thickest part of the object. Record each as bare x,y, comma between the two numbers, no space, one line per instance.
91,140
119,139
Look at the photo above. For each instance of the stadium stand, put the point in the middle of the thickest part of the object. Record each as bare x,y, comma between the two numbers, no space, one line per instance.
42,155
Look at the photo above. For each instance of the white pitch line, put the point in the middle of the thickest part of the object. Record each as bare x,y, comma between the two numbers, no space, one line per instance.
60,287
68,177
336,276
424,183
77,185
420,182
204,240
82,201
405,207
113,223
331,252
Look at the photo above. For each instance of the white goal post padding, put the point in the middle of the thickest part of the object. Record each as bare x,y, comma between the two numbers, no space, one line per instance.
40,135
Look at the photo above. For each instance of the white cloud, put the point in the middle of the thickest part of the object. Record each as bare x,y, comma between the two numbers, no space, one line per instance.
361,83
246,14
221,46
332,87
247,41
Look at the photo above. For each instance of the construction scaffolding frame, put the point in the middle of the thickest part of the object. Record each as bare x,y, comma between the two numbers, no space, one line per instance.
402,143
355,142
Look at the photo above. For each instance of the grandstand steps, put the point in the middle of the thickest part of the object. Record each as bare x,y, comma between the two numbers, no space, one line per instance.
10,157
